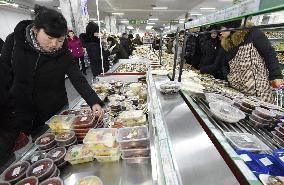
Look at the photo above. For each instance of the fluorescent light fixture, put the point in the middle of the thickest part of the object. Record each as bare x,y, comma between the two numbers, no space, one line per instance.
15,5
117,13
181,21
58,8
153,19
208,8
160,8
196,14
151,23
167,27
124,21
149,27
32,10
130,27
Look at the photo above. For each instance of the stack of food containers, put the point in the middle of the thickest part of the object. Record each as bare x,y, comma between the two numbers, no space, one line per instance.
79,154
103,144
132,118
134,144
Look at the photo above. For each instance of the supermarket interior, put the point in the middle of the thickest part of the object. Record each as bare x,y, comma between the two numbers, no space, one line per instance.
153,92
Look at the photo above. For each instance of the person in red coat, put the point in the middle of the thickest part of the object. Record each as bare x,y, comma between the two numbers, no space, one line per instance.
75,46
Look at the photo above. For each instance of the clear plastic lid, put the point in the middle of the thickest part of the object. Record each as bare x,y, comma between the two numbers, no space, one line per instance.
77,152
104,136
15,172
131,115
90,180
226,112
45,140
61,122
212,97
270,180
246,141
56,154
65,136
264,113
132,134
83,121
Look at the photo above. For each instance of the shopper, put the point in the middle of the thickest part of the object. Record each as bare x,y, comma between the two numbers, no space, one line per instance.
137,41
125,43
156,43
116,49
209,46
192,50
249,61
180,45
40,60
77,50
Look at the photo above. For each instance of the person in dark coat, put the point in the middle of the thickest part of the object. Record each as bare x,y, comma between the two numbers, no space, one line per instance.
92,44
116,49
131,45
1,44
156,43
38,55
125,43
192,50
209,46
249,61
77,50
137,41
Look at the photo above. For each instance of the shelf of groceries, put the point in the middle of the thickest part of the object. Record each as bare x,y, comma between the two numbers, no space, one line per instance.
157,131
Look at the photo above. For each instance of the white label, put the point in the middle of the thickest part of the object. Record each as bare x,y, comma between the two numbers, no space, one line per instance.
282,158
245,157
83,119
27,184
56,154
35,158
266,161
247,139
39,168
16,171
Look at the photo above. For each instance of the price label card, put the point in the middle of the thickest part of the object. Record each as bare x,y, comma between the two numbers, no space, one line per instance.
266,161
16,171
56,154
37,169
245,157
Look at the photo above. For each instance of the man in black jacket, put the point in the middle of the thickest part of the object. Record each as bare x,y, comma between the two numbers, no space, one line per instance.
39,58
125,43
116,49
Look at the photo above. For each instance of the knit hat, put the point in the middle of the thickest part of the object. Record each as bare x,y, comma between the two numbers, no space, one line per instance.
92,28
233,24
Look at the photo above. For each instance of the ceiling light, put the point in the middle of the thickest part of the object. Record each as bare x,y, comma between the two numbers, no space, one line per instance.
160,8
58,8
151,23
124,21
167,27
153,19
32,10
15,5
117,13
181,21
208,8
149,27
130,27
196,14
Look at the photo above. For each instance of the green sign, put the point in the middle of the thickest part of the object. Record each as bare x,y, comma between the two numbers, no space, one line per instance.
138,22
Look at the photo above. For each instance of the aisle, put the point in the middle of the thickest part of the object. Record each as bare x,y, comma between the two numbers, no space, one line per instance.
71,92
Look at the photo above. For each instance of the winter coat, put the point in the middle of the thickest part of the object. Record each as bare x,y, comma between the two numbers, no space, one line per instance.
92,45
209,49
156,44
75,46
137,41
192,51
126,45
38,88
119,51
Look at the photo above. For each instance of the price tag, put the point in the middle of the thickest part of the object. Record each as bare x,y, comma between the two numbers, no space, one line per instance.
35,158
55,155
37,169
16,171
83,119
282,158
266,161
245,157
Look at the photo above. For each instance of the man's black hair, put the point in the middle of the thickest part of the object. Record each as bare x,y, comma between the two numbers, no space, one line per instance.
52,22
92,28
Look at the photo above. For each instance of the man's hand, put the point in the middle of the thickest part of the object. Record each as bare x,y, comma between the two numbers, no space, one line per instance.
98,111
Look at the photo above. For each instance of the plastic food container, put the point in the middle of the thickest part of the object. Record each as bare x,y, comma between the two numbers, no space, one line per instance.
270,162
77,112
264,113
101,150
279,133
245,109
260,119
28,181
85,121
91,180
253,165
279,114
212,97
257,124
46,141
249,103
79,154
60,166
226,112
143,160
52,181
41,169
54,172
277,138
15,172
133,137
59,123
65,138
246,141
279,156
101,138
71,144
57,155
270,180
36,156
110,158
131,153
